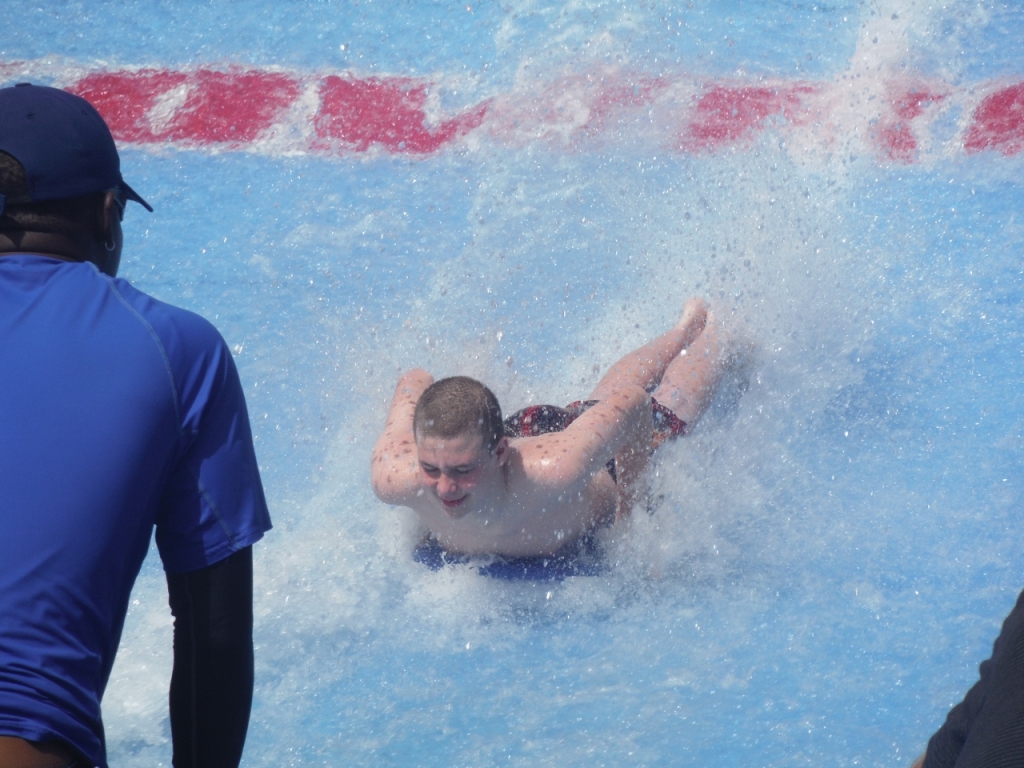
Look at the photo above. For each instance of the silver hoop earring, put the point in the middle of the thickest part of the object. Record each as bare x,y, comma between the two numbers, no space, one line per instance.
110,246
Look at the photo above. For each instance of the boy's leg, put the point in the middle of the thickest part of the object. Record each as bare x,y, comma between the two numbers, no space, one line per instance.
690,380
645,367
630,464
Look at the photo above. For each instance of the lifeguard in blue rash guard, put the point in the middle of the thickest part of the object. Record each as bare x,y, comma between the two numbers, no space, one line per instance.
546,476
118,414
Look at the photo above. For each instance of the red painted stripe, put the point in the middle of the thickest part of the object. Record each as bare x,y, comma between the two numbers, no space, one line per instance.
343,113
389,112
897,142
998,122
894,136
727,115
912,103
126,98
615,99
231,107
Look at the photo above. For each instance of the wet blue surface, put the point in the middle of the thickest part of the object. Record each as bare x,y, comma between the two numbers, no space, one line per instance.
831,555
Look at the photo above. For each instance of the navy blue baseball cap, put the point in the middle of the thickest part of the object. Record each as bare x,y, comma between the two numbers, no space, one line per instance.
62,142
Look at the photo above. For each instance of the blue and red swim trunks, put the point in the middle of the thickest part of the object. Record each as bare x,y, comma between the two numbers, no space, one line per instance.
542,419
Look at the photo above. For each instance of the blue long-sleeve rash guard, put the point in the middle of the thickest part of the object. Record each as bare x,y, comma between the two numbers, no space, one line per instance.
118,414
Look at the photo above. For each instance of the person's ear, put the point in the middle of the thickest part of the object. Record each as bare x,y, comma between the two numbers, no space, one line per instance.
501,451
110,235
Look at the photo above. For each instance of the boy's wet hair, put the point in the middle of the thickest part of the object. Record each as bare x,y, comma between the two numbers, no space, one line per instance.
456,406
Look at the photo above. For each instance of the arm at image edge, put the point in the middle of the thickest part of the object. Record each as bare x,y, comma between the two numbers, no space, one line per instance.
213,673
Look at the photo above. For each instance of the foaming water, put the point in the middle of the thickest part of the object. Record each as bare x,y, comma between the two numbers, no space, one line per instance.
826,558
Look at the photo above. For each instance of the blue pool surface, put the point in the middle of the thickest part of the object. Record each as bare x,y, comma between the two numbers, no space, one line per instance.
832,552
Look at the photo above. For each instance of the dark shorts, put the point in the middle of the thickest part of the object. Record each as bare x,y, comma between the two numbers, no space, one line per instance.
537,420
542,419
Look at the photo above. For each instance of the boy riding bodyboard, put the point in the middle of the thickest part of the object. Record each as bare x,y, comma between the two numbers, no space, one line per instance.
529,485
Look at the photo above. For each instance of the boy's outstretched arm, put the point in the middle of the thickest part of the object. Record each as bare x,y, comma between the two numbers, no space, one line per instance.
394,471
618,426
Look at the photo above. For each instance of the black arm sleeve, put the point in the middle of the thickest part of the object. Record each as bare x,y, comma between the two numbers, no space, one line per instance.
986,729
211,686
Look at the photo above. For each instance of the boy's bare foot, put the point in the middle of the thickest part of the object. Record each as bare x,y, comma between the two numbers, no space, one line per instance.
693,319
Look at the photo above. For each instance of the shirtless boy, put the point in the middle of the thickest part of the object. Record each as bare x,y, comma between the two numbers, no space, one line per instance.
539,480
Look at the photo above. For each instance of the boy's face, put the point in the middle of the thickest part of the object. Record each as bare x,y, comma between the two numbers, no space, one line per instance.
460,472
